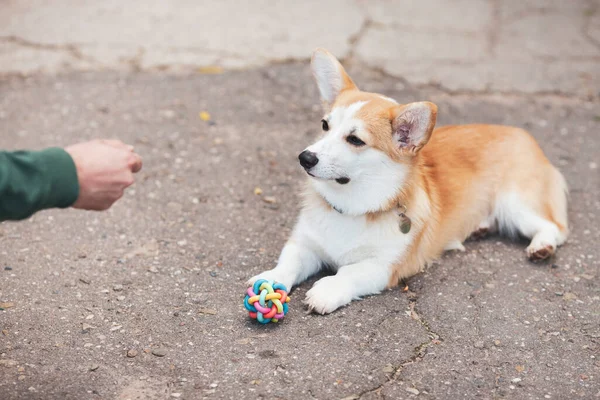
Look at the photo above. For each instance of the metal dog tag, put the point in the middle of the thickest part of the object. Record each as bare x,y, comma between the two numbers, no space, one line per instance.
405,223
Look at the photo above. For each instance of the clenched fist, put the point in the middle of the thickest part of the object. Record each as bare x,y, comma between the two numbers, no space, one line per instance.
105,169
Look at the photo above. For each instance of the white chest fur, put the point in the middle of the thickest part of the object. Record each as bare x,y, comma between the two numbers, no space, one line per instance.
341,239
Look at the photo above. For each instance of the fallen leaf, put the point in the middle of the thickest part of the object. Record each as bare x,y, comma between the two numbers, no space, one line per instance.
211,69
520,368
4,306
207,311
204,116
269,199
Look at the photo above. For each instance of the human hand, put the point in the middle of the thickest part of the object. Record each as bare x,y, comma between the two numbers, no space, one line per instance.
105,169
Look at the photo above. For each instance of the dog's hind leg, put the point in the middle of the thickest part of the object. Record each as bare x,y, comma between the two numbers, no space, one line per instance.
454,245
486,227
542,217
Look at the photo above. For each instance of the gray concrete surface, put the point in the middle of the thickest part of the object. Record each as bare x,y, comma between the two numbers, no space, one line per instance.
145,301
534,46
483,324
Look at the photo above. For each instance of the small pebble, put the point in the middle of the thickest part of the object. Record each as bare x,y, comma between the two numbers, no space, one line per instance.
497,343
118,288
176,395
7,268
479,344
121,298
412,390
94,367
160,352
132,353
388,369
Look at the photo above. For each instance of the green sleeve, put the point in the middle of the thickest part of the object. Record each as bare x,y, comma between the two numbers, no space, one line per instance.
31,181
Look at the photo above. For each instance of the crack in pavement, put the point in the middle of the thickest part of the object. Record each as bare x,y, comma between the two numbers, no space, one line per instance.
355,38
419,351
136,64
474,92
70,49
494,29
585,29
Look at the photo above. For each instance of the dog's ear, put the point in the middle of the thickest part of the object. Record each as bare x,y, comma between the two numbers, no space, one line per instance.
412,125
330,76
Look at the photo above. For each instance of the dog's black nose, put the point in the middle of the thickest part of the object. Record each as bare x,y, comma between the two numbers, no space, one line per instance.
308,159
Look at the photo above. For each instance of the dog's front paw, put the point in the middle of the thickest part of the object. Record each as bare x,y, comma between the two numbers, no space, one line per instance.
272,275
328,294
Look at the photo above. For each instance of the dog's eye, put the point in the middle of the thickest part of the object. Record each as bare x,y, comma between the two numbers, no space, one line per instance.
355,141
325,125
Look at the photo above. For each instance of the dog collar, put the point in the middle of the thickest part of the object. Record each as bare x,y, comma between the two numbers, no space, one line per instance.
404,224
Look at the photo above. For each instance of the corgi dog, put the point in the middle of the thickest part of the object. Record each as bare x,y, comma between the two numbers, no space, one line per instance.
387,193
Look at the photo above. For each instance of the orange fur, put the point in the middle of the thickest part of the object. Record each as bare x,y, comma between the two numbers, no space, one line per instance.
462,169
